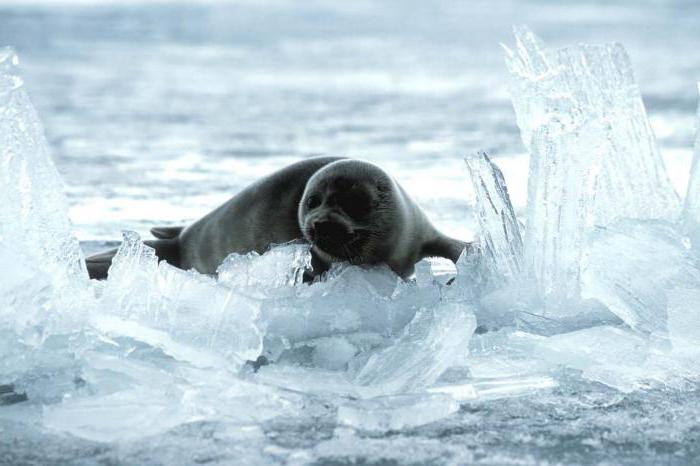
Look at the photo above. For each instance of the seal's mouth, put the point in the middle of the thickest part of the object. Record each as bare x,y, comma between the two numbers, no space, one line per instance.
335,241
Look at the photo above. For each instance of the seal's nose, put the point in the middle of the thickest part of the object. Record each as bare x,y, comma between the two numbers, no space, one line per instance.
329,230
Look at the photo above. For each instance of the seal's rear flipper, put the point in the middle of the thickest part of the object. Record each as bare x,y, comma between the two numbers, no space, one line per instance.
446,247
166,249
166,232
98,264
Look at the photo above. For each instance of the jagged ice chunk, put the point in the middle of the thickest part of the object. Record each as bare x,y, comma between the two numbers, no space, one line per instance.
33,207
500,241
632,267
430,344
593,154
190,307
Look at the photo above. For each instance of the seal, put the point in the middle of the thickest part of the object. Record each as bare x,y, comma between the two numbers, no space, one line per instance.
348,210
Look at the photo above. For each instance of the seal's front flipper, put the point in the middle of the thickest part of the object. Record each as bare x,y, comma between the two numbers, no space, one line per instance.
318,268
98,265
446,247
166,232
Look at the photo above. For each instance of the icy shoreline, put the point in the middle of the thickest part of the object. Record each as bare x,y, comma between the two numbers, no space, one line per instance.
600,286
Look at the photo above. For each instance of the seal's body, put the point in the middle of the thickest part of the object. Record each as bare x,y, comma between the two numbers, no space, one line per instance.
349,210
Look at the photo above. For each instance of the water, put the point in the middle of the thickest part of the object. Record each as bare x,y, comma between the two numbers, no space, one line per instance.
157,112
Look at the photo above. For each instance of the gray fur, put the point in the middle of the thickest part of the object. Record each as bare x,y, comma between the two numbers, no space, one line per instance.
395,232
274,210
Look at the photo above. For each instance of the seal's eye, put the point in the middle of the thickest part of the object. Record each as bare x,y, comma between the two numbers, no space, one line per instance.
313,201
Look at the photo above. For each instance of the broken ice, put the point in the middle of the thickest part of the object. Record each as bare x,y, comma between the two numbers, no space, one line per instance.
691,210
191,307
593,154
430,344
501,244
155,348
280,266
33,207
633,266
396,412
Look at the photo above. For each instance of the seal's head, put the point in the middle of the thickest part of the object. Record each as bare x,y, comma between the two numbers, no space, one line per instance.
346,212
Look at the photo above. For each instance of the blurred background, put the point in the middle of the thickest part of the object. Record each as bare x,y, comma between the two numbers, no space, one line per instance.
158,111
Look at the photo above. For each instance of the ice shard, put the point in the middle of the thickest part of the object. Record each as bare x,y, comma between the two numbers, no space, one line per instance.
351,299
563,175
500,240
396,412
593,154
33,207
44,290
281,266
631,267
496,388
581,84
613,356
684,320
192,308
430,343
691,209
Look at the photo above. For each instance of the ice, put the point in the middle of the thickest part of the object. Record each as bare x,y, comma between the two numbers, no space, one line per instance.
496,388
44,296
633,266
561,191
350,300
33,208
594,349
124,415
360,359
430,344
691,210
593,154
512,363
683,308
334,353
192,308
349,446
500,241
373,366
396,412
594,85
280,267
149,400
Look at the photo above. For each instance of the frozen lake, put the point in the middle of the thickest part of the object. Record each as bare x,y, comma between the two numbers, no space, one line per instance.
156,112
